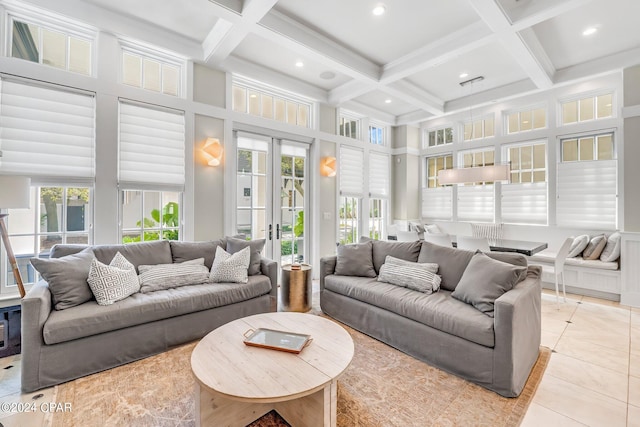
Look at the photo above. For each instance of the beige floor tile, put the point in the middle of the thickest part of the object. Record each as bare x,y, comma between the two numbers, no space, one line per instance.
580,404
614,339
593,353
634,363
609,303
539,416
549,339
634,391
32,414
604,312
633,416
596,378
555,326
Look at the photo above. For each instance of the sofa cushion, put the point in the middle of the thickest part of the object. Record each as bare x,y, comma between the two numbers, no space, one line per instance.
165,276
230,268
113,282
611,251
412,275
437,310
90,319
355,259
187,251
451,261
408,251
485,280
548,257
595,247
67,278
578,245
236,245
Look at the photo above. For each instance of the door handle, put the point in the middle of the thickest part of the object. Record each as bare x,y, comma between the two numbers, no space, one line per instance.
270,231
278,231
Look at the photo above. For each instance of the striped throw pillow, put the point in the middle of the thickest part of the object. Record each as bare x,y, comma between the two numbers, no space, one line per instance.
166,276
420,277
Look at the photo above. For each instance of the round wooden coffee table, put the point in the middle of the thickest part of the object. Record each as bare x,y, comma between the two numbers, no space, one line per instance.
237,384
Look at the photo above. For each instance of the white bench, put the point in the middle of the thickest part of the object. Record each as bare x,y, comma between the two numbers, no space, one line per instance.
586,277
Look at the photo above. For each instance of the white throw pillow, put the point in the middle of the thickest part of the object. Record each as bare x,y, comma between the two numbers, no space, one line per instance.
229,268
611,251
420,277
578,245
113,282
166,276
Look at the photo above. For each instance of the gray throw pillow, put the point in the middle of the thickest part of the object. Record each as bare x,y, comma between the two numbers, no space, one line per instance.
355,259
236,245
166,276
452,262
142,253
186,251
67,278
578,245
510,258
595,247
408,251
484,281
411,275
611,251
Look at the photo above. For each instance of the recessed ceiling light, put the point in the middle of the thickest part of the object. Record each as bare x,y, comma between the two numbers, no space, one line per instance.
379,10
589,31
299,64
463,75
387,101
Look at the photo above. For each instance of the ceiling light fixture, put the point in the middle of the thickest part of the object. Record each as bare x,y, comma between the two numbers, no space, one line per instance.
471,81
299,64
589,31
387,101
463,75
379,10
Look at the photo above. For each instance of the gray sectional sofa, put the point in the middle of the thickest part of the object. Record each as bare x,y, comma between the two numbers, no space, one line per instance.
61,345
495,352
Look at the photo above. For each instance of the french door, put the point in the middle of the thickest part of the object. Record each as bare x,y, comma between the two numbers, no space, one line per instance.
272,195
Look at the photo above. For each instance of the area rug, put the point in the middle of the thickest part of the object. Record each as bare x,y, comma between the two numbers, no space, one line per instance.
382,387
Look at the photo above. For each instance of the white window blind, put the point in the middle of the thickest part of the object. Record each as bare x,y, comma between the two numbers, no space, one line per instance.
587,194
437,203
475,202
524,203
378,175
351,171
152,145
46,131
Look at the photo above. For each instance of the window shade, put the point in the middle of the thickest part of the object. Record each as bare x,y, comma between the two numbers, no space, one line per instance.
351,171
378,175
46,131
475,202
437,203
152,144
587,194
524,203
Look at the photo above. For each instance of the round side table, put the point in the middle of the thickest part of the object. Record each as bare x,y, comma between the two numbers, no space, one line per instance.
295,288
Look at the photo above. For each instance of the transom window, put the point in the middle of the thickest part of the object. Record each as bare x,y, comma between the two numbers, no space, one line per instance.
349,126
439,137
377,134
479,128
436,164
57,48
527,120
155,71
589,108
528,163
586,148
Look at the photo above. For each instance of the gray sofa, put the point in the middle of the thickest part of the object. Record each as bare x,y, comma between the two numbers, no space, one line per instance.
495,352
61,345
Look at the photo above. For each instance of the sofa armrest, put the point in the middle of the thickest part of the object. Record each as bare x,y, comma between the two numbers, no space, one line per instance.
517,327
269,268
36,307
327,267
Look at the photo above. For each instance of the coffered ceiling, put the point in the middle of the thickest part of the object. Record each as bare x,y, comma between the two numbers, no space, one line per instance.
403,66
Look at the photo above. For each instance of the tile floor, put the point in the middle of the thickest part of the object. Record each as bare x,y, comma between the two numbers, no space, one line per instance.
593,377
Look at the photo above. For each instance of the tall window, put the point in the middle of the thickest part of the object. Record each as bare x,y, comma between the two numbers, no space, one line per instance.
349,126
60,214
351,193
60,48
377,134
439,137
151,171
587,182
377,218
436,199
524,199
379,181
152,70
588,108
349,215
479,128
526,120
250,98
476,200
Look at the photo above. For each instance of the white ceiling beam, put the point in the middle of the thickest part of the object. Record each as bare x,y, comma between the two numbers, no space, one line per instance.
413,118
369,111
491,13
604,65
512,90
349,90
415,96
225,36
545,12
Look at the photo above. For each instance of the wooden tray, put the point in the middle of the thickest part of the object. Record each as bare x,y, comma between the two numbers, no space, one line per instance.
290,342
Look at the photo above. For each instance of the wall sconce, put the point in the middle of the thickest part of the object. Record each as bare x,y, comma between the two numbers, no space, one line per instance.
213,151
477,174
328,166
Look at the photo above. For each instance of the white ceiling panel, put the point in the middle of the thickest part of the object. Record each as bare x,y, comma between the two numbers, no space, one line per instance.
491,61
403,28
377,100
615,20
267,54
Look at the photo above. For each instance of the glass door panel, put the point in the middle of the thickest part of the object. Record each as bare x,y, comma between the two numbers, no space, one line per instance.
252,181
293,166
